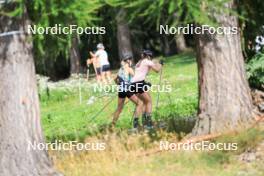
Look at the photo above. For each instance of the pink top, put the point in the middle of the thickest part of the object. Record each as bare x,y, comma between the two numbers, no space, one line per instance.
142,69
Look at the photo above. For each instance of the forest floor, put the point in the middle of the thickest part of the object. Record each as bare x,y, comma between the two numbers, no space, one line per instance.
65,118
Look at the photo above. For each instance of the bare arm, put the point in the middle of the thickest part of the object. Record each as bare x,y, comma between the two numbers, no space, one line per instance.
131,71
89,61
92,54
156,67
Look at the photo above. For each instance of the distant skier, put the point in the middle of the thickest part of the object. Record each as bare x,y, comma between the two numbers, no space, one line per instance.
97,66
102,56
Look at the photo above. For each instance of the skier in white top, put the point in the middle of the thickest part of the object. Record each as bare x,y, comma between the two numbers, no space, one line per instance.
101,54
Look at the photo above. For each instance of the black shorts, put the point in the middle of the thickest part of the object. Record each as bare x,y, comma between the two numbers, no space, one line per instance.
125,94
98,70
105,68
139,87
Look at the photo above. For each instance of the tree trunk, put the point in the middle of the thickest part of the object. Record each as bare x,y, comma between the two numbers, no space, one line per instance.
19,105
180,43
75,56
123,35
224,96
165,45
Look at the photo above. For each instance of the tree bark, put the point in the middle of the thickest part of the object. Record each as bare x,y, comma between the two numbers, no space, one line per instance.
123,34
75,56
19,105
224,95
165,45
180,43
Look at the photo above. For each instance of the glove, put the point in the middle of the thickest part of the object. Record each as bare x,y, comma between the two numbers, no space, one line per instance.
161,62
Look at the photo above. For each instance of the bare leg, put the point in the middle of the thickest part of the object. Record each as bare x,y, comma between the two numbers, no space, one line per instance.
103,77
138,104
146,115
137,112
146,98
108,75
119,109
98,78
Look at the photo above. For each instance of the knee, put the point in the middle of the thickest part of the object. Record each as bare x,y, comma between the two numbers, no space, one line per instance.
147,101
140,103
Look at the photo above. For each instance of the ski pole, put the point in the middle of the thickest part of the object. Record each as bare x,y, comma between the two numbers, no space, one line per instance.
88,72
101,110
157,103
80,90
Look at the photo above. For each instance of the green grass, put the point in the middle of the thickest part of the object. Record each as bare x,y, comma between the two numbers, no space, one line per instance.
63,117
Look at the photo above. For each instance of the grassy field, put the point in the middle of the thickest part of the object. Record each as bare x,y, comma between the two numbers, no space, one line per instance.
63,117
125,156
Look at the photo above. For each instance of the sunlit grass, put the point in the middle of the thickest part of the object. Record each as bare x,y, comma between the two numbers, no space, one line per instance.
125,155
